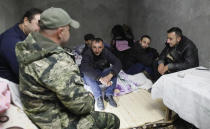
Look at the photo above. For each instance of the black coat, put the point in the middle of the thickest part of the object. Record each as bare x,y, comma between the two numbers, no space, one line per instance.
138,54
91,63
180,57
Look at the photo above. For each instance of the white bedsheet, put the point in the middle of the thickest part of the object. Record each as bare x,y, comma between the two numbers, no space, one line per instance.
17,118
188,94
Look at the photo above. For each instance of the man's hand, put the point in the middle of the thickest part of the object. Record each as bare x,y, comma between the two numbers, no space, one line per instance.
160,68
165,69
106,80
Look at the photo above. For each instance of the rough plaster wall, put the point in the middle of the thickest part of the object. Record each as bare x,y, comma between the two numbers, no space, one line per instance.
151,17
95,16
9,14
155,17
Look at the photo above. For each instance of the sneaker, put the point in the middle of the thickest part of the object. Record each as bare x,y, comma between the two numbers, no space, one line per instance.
100,103
111,100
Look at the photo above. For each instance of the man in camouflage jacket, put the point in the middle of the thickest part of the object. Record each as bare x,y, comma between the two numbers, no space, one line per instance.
51,88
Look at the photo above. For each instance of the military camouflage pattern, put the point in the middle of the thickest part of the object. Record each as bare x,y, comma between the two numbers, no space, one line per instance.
52,90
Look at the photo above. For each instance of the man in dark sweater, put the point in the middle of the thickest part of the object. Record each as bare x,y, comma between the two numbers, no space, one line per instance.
180,53
141,57
100,67
8,62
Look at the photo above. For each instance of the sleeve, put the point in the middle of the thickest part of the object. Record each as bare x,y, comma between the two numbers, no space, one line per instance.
144,58
62,78
162,56
8,53
154,52
190,59
87,68
116,64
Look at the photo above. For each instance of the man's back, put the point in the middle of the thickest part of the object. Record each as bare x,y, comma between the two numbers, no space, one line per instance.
51,89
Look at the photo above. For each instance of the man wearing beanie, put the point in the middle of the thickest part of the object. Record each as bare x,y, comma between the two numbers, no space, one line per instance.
52,90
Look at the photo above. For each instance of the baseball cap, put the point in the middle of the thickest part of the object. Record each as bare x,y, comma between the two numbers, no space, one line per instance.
53,18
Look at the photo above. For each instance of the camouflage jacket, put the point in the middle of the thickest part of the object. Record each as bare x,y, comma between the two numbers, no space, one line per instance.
51,89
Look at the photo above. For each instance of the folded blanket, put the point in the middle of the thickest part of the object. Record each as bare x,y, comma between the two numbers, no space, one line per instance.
129,83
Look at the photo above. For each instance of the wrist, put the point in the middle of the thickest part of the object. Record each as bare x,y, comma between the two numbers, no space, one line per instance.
110,75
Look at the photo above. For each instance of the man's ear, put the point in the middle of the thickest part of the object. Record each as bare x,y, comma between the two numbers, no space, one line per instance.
179,38
60,32
25,20
103,45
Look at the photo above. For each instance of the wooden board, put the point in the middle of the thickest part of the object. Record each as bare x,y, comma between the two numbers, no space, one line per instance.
136,109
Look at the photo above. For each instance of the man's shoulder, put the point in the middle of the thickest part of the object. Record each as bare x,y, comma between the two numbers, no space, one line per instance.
54,62
188,42
12,34
12,31
152,49
62,57
106,50
88,52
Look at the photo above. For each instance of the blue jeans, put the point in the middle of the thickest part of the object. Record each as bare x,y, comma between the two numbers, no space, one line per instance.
137,68
94,85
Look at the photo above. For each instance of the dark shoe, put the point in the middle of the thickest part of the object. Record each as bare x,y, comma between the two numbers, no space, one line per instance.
100,103
111,100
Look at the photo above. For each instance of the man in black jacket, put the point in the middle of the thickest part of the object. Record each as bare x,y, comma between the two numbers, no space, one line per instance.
96,68
141,57
179,54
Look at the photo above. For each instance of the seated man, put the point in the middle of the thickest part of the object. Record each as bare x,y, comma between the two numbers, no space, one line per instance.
141,57
8,61
51,88
88,40
180,53
96,69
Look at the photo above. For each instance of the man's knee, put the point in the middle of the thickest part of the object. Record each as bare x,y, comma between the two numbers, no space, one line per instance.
106,120
114,122
99,120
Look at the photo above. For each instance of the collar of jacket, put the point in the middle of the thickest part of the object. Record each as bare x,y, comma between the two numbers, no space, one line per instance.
36,47
44,43
181,43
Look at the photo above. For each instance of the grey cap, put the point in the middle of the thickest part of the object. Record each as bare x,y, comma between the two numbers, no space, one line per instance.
53,18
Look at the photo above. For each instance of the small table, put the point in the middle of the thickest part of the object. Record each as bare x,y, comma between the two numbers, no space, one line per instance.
188,94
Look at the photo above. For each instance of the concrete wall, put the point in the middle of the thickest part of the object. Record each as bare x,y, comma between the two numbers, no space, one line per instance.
155,17
95,16
9,13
